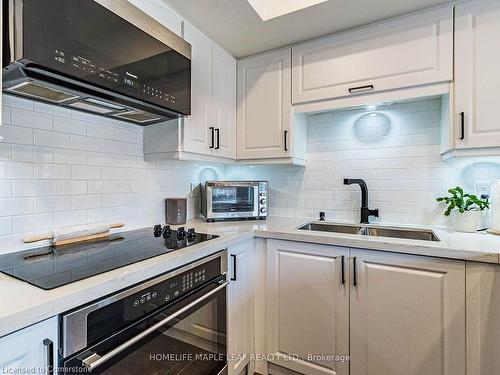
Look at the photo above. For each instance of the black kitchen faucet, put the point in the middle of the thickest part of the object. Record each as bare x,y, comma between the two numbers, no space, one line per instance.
365,211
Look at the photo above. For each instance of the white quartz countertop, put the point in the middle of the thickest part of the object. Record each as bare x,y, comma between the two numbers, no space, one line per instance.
23,304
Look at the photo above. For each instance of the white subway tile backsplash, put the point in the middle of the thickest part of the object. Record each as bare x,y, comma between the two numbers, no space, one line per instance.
16,206
30,153
6,114
52,171
5,188
69,125
5,225
69,156
99,131
37,222
52,204
85,172
79,202
15,170
70,187
69,218
32,188
5,151
30,119
16,134
17,102
51,139
80,142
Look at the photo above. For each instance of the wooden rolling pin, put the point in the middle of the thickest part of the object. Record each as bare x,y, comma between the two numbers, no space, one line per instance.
72,235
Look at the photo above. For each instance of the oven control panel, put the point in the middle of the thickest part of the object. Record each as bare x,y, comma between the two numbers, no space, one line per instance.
177,286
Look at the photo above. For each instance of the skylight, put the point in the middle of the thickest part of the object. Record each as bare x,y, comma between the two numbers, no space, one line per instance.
269,9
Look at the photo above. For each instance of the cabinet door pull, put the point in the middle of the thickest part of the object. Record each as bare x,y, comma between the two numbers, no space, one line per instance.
218,139
342,274
285,134
233,278
354,276
50,356
354,90
462,126
212,145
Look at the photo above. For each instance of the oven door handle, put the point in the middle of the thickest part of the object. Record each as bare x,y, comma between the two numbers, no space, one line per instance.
96,360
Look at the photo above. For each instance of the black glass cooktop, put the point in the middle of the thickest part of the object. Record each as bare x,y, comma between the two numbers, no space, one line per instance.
50,267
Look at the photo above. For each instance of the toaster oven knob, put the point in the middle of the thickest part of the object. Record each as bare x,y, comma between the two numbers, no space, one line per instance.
263,201
263,210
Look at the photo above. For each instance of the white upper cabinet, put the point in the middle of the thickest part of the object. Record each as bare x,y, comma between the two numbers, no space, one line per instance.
265,126
209,133
477,75
408,51
197,135
158,10
224,103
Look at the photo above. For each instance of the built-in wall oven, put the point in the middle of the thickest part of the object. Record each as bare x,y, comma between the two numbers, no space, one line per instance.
172,324
223,200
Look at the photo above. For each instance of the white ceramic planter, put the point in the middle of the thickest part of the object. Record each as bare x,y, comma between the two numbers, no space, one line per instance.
467,222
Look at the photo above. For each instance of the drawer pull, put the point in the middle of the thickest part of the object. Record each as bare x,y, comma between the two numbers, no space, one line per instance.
354,90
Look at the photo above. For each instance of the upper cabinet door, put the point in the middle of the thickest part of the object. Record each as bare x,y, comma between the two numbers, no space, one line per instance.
407,315
224,96
197,135
264,106
477,77
409,51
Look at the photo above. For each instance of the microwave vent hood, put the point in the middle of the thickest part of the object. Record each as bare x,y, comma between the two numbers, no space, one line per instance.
94,56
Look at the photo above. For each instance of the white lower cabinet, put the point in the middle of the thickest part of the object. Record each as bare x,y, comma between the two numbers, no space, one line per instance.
31,350
483,318
307,307
394,314
407,314
240,306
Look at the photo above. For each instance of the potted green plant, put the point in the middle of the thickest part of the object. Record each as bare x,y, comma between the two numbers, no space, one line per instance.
467,206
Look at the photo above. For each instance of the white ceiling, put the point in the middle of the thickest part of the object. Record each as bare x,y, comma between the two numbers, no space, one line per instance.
236,27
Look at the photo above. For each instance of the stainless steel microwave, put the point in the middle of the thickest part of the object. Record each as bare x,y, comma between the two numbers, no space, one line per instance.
95,56
224,200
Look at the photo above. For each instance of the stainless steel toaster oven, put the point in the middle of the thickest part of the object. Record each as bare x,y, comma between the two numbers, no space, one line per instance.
224,200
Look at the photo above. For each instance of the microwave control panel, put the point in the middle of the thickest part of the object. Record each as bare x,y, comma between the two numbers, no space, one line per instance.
110,77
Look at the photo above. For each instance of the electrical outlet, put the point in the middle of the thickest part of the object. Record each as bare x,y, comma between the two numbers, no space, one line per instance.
482,188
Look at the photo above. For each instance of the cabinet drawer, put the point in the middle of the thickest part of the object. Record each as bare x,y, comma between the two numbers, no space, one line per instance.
405,52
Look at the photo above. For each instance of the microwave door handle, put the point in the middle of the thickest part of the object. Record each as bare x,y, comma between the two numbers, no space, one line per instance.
96,360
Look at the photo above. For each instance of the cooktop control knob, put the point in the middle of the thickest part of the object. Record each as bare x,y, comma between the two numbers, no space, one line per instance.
181,233
191,234
157,230
166,231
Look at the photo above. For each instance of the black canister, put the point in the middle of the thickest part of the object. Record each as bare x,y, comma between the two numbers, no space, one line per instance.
175,211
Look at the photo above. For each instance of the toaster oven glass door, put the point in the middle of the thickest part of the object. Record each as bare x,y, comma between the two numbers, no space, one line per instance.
238,199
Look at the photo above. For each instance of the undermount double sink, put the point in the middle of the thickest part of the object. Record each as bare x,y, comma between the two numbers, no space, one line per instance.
373,230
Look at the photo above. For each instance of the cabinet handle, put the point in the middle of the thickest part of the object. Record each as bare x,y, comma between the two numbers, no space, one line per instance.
218,139
50,356
285,134
462,126
342,274
233,278
353,90
354,276
212,136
